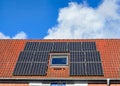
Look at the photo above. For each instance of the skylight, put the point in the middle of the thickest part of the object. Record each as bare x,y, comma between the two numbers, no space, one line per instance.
59,60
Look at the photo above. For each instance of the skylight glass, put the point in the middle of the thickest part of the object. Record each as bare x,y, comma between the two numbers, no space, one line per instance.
59,60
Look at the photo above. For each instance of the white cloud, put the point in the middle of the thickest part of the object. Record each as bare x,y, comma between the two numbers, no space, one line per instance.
2,36
20,35
81,21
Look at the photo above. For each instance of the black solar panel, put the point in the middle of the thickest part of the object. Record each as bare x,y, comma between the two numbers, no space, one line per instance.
77,57
41,57
85,63
30,69
87,46
38,69
22,69
94,69
83,69
26,56
77,69
32,46
60,47
92,56
75,46
31,63
45,46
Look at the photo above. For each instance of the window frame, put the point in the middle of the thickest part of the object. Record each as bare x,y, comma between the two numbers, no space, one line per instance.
59,56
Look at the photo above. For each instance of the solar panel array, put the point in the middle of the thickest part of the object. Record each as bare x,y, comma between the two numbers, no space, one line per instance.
38,46
60,46
92,56
31,63
84,58
85,61
85,69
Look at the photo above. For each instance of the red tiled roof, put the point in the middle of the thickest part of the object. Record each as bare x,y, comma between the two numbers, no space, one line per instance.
109,51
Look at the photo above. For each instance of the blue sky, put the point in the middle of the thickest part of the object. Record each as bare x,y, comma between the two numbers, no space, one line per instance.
35,17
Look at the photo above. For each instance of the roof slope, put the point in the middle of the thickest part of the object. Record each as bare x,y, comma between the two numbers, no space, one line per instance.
109,51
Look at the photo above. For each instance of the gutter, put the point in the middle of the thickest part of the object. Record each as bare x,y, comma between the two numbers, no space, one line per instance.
107,81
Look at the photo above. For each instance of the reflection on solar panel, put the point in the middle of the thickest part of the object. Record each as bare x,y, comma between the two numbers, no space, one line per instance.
84,58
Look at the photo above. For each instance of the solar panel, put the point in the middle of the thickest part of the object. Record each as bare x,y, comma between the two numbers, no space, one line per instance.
26,56
92,56
22,69
30,69
31,63
31,46
74,46
86,61
84,69
87,46
94,69
77,57
38,69
41,57
60,47
45,46
77,69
